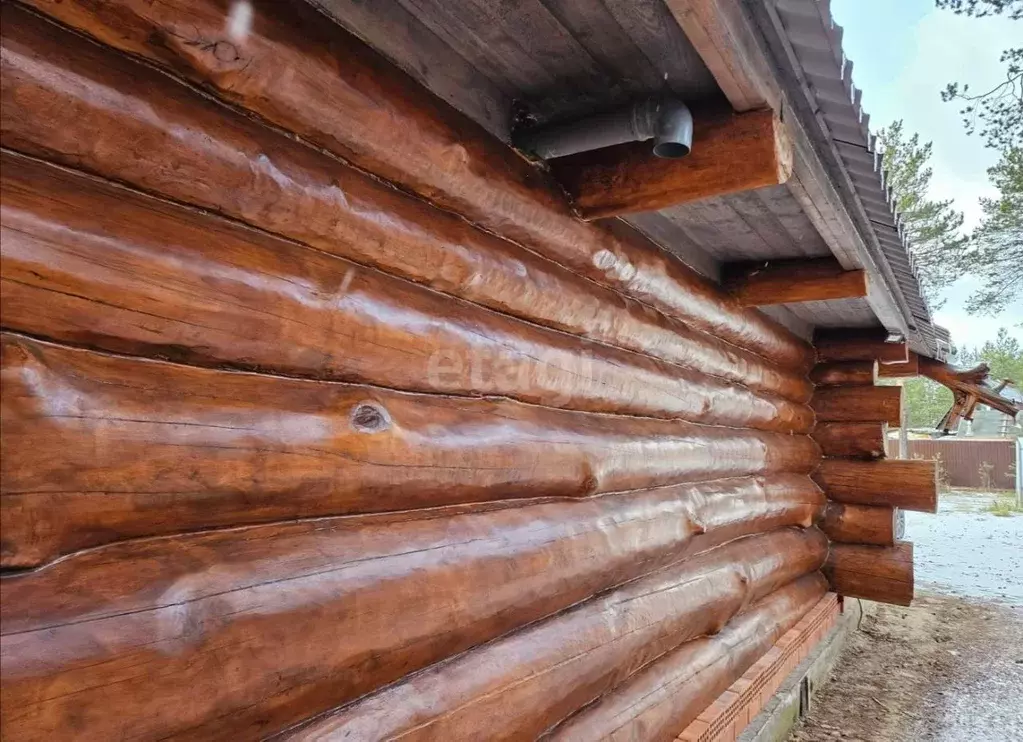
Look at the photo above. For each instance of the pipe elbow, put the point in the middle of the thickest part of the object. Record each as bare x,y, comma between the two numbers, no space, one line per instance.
667,121
673,135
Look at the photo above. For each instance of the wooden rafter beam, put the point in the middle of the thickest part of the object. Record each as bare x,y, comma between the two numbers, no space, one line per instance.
731,153
717,32
791,281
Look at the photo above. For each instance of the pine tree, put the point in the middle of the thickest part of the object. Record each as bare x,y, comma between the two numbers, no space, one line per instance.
996,254
932,228
998,112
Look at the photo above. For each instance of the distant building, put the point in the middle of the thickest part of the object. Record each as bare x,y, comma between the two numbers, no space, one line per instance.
988,423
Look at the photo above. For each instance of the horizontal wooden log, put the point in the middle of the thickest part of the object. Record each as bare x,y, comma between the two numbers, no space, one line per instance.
906,370
250,645
858,404
859,345
911,485
860,524
793,281
528,681
56,92
88,263
99,448
879,573
660,700
730,154
346,98
847,373
852,440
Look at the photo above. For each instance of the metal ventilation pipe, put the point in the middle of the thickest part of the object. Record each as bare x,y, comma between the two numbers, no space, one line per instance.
665,120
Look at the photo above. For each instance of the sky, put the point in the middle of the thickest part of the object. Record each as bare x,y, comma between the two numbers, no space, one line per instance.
904,52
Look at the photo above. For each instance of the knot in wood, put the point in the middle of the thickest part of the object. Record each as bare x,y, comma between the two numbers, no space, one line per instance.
370,418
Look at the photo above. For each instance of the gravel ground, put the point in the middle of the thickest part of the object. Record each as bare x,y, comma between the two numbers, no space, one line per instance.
950,668
966,551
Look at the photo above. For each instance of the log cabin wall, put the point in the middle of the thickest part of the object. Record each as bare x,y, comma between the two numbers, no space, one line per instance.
865,490
324,416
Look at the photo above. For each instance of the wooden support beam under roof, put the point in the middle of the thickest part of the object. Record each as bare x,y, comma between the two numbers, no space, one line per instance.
859,344
731,153
733,38
790,281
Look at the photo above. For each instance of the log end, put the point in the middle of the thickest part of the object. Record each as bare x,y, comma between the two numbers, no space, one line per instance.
880,573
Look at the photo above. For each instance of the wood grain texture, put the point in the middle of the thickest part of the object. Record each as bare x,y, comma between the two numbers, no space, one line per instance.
57,93
90,264
730,154
911,485
342,96
667,695
650,27
859,345
854,440
245,631
879,573
969,387
793,281
845,373
907,370
522,684
717,37
859,524
858,404
99,448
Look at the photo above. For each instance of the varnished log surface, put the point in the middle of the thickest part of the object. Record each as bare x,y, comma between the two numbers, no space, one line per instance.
309,77
790,281
58,103
911,485
90,264
730,154
100,447
660,700
879,573
859,345
239,633
522,684
854,440
858,404
847,373
859,524
906,370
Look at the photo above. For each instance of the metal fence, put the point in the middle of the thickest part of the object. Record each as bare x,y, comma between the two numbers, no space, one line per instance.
969,462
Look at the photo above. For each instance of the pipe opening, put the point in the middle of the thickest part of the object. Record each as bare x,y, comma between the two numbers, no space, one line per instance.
671,150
